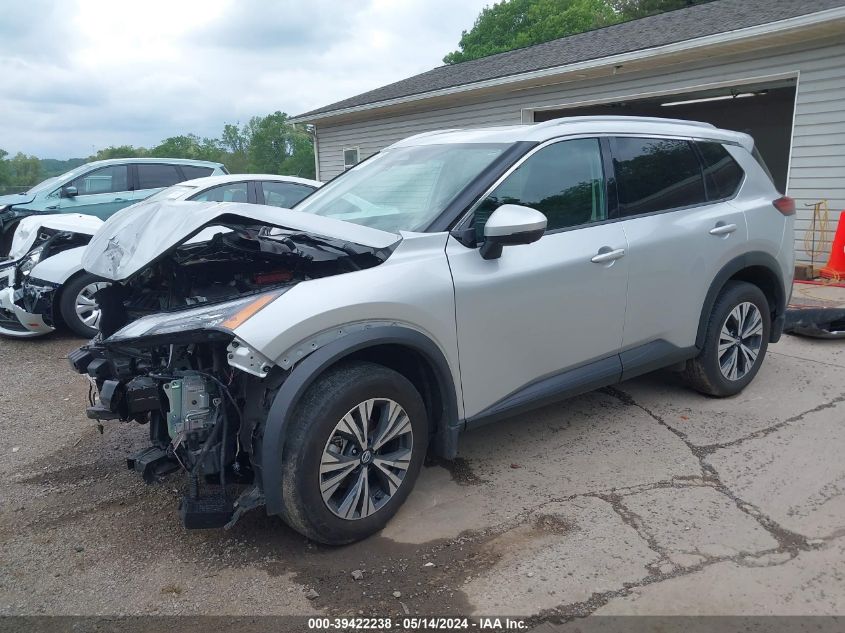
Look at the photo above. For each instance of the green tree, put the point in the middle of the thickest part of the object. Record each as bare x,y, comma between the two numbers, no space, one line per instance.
511,24
514,24
5,176
235,141
182,146
633,9
119,151
25,170
189,146
278,147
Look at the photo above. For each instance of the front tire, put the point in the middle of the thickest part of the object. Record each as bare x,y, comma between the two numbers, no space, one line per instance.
79,308
735,343
355,448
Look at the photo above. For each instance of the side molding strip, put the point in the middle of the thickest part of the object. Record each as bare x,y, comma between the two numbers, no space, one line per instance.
551,389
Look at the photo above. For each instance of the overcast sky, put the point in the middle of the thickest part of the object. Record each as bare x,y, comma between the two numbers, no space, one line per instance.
83,74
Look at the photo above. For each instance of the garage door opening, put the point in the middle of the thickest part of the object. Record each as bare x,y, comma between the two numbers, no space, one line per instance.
765,111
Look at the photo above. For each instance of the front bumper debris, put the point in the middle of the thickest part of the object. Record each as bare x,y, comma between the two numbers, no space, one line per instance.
15,319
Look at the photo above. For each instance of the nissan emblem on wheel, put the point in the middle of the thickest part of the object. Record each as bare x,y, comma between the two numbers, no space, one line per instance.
306,361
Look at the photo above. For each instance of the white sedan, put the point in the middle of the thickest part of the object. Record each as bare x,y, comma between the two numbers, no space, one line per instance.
42,283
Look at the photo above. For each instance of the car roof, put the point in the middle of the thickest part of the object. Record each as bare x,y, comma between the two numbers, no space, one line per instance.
580,125
169,161
210,181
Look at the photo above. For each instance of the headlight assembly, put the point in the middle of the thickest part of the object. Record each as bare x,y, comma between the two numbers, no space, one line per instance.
29,261
220,316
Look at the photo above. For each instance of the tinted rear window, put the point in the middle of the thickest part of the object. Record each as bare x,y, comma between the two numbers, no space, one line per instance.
152,176
656,175
284,194
721,172
191,171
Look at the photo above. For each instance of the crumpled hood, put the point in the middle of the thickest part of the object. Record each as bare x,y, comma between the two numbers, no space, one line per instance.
142,233
28,228
16,198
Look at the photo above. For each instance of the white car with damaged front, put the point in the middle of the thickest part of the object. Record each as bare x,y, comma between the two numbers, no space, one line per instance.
43,283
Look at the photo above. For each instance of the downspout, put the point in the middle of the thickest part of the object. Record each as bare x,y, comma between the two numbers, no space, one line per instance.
316,155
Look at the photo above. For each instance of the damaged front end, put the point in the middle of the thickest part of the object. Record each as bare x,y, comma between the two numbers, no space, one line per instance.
202,412
27,303
168,355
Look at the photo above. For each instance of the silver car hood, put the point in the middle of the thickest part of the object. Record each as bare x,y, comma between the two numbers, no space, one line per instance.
142,233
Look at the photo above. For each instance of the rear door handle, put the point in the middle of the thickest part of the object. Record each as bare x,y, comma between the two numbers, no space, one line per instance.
723,229
120,200
53,206
606,255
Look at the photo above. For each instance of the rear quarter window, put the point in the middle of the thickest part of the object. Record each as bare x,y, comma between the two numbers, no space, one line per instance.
722,173
191,171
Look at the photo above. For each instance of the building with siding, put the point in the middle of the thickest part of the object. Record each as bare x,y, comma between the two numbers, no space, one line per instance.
772,68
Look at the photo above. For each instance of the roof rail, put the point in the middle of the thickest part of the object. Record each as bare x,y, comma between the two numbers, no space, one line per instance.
604,117
432,133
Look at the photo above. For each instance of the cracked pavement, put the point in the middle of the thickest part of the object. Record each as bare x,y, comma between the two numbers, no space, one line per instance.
644,498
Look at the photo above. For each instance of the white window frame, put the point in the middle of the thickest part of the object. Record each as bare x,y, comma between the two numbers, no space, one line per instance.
357,150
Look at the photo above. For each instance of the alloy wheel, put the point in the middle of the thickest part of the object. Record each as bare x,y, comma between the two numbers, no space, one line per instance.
366,458
87,308
740,340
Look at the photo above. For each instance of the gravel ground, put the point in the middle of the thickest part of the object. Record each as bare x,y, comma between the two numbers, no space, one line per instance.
645,499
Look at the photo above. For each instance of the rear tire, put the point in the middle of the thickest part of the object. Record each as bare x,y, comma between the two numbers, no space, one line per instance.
340,484
735,342
77,305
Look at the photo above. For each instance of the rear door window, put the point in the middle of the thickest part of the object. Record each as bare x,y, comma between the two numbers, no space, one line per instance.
654,174
156,175
230,192
721,172
284,194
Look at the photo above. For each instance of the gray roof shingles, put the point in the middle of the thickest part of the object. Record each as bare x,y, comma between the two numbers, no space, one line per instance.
700,20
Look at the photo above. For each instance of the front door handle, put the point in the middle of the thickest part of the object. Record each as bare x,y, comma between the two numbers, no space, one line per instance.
606,255
120,200
723,229
53,206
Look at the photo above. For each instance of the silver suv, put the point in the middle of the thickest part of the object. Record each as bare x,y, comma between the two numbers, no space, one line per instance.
453,279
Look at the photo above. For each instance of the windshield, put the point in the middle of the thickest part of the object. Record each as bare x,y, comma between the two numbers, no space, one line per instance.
404,188
44,184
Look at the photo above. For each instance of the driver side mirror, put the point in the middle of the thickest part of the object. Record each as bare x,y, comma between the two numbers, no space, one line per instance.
69,191
511,224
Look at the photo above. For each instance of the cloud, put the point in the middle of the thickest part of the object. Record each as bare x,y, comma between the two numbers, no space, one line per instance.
78,74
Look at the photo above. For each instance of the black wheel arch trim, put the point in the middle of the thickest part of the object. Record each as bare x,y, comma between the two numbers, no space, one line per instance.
729,270
306,371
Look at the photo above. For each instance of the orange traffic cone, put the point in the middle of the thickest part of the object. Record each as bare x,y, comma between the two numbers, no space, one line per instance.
835,268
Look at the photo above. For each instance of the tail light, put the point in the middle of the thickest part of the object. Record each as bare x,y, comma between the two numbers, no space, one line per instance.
785,205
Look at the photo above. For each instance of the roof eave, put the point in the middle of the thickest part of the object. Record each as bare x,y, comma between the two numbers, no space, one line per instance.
725,38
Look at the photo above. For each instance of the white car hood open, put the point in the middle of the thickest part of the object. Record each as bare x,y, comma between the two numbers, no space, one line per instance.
28,228
142,233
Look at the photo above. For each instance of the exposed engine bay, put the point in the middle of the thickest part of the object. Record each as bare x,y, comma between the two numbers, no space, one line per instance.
167,356
238,260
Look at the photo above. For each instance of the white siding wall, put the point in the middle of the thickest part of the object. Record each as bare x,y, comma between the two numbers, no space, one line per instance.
818,155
